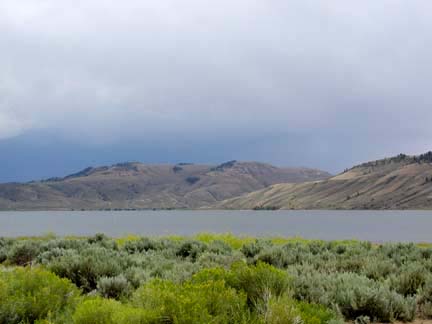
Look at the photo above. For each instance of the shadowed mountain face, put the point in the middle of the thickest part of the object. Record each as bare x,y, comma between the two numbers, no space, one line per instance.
401,182
136,185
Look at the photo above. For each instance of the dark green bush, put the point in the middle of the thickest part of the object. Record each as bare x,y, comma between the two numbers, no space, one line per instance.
85,268
409,279
219,247
275,256
23,252
192,180
353,295
3,254
191,249
136,276
97,238
65,244
250,250
376,268
424,298
114,287
52,254
102,240
289,254
142,245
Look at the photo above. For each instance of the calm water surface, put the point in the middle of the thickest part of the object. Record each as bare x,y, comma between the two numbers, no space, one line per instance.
378,226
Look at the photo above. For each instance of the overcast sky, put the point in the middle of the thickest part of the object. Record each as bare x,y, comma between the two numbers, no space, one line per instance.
323,84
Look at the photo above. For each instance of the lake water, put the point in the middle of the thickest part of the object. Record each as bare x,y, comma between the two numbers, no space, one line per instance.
378,226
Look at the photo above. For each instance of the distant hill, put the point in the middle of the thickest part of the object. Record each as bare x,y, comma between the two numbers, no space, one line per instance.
135,185
400,182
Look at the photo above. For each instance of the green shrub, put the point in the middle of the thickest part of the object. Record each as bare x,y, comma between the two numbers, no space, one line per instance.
23,252
281,310
50,255
156,265
136,276
276,256
181,272
191,249
102,240
27,295
250,250
142,245
219,247
3,254
97,238
85,268
192,180
424,298
4,242
355,279
113,287
289,254
212,274
400,253
106,311
377,268
212,260
353,295
66,244
315,314
410,278
145,244
258,282
207,302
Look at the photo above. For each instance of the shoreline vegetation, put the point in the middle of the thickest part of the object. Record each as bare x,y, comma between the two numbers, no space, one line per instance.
212,278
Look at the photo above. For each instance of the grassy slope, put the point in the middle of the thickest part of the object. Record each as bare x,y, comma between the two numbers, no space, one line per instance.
396,183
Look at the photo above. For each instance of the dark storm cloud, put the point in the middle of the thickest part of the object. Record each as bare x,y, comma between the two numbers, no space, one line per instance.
309,82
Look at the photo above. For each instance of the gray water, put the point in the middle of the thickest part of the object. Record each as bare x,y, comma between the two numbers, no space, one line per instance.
377,226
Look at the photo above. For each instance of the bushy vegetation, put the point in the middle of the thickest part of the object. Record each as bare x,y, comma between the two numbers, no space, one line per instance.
260,207
192,179
27,295
211,279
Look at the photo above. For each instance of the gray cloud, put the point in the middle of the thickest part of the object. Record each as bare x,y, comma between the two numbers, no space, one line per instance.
340,76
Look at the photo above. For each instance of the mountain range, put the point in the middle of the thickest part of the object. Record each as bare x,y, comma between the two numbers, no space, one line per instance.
399,182
134,185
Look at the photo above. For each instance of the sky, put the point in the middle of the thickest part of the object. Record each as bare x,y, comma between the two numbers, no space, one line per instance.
323,84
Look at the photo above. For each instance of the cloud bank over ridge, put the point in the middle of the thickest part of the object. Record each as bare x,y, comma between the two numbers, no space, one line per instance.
299,78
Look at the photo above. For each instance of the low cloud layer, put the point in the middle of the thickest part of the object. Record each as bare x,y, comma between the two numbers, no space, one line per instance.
304,77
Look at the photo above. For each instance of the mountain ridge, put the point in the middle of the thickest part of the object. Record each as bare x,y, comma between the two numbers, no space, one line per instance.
134,185
399,182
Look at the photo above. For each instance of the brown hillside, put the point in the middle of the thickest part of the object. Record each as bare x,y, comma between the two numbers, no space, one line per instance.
136,185
401,182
